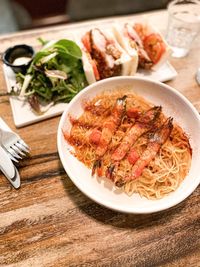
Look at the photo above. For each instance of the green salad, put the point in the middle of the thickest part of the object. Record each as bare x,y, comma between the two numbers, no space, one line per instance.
55,75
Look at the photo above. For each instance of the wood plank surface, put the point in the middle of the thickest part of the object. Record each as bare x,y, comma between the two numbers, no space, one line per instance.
49,222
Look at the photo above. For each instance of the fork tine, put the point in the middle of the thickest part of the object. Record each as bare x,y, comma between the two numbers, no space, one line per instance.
13,158
23,143
17,150
23,146
13,153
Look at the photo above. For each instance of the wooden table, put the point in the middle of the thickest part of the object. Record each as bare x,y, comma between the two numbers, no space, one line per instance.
49,222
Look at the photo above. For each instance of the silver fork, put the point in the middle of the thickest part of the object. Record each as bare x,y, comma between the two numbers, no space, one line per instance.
12,143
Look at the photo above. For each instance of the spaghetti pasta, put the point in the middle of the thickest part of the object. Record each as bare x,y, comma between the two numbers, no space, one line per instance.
165,170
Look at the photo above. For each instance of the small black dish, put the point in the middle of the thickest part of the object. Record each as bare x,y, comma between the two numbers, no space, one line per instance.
15,52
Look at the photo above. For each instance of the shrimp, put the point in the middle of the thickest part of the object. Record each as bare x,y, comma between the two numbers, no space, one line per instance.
108,129
142,125
153,146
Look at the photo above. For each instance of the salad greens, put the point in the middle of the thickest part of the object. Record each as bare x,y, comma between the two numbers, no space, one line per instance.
55,75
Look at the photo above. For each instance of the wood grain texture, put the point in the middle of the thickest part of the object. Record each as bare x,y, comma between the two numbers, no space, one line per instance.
49,222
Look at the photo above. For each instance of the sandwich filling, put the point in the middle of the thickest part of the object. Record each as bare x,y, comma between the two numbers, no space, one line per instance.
152,42
150,46
135,42
103,54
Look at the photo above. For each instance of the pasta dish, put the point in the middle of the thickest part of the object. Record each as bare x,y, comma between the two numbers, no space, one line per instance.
125,138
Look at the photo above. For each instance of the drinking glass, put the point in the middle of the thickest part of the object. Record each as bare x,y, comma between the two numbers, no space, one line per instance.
183,25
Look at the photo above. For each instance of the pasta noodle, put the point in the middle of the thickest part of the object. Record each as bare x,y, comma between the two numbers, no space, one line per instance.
165,171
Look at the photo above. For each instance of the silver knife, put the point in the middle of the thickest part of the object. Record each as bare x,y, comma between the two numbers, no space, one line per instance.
8,169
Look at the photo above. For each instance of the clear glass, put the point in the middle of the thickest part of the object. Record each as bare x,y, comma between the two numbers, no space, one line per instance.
183,25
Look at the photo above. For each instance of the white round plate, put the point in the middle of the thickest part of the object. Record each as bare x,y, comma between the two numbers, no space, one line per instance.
102,190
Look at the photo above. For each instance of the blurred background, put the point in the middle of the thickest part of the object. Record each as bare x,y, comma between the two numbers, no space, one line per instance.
17,15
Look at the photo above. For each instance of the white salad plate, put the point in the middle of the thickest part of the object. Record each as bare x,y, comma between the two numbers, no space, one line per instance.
102,190
23,114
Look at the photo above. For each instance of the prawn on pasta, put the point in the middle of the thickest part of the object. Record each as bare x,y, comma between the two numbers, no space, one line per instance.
125,138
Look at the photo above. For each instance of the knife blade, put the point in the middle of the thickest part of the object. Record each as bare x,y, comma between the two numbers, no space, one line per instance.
8,169
16,182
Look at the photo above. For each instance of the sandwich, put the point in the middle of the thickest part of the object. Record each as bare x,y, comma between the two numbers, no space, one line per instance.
103,57
151,47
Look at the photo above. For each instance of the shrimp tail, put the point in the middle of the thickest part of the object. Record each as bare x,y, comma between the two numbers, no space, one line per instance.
158,110
161,135
154,114
110,170
97,166
150,116
120,183
122,102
